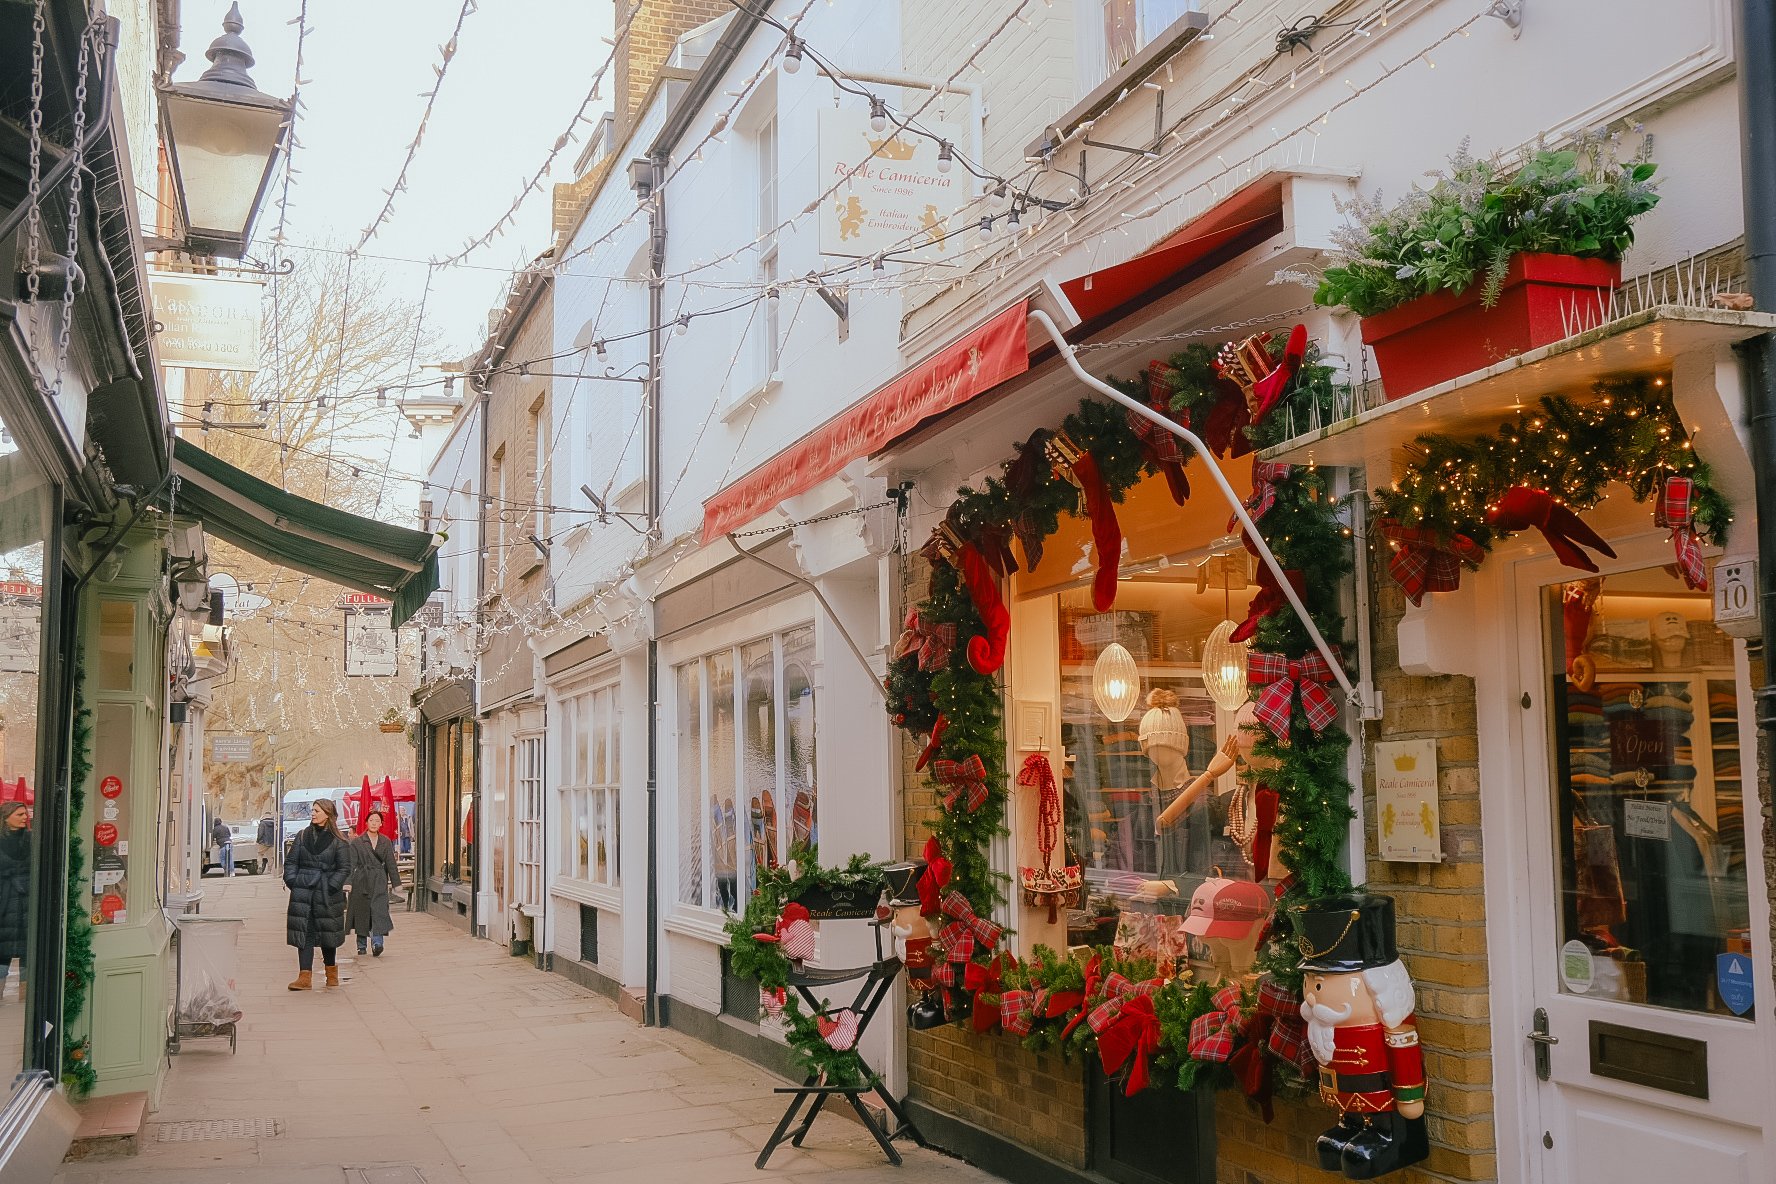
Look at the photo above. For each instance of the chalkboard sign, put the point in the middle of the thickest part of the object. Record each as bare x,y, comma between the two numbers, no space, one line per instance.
849,902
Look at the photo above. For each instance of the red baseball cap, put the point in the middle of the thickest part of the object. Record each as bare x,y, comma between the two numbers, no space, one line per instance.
1226,908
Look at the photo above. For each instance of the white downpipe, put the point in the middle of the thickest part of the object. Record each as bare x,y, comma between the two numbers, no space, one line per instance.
1039,317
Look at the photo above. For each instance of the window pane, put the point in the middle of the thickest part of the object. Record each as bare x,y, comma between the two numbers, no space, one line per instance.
763,798
616,832
117,645
615,774
726,820
798,712
599,774
690,783
595,834
569,728
582,765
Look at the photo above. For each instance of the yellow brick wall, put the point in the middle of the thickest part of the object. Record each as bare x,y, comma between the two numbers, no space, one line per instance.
652,35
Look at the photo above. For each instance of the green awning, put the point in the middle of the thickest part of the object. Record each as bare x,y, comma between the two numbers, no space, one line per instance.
237,507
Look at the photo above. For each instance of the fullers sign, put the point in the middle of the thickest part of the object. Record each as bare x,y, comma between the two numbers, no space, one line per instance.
978,362
892,198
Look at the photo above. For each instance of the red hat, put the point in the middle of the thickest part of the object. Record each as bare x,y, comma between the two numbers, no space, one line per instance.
1226,908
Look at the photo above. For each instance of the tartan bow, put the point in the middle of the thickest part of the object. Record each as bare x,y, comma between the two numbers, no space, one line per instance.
1118,991
986,981
965,929
1287,1031
1282,680
1676,510
1424,561
1234,1035
1213,1033
962,778
1264,494
1162,450
1017,1013
1128,1033
932,643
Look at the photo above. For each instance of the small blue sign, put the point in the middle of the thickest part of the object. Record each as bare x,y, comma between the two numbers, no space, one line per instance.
1732,974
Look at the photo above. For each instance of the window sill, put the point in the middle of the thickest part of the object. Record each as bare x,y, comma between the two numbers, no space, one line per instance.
600,896
1146,62
752,398
702,924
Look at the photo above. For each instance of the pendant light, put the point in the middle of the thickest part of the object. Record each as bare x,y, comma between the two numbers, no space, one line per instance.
1224,660
1116,681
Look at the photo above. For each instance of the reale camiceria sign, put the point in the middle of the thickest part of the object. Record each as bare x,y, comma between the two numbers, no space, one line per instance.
892,198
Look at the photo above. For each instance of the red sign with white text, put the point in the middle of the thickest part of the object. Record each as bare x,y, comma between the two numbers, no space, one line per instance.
105,834
977,362
111,787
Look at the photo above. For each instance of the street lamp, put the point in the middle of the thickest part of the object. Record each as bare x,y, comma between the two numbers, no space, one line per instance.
223,136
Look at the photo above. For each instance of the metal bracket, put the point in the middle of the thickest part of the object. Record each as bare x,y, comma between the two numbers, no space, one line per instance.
1511,12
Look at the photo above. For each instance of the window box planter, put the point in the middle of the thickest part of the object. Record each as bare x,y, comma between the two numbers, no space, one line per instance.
1447,334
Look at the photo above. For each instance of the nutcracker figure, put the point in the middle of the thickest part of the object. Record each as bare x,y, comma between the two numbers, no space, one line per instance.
1358,1007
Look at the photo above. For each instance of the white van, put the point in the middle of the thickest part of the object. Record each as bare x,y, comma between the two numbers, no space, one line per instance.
298,803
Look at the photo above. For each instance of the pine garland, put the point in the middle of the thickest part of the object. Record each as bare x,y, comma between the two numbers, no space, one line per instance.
78,1073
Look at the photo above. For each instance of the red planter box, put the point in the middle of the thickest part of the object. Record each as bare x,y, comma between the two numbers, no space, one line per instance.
1447,334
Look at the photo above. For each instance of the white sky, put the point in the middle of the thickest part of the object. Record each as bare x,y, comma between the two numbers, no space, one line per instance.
520,71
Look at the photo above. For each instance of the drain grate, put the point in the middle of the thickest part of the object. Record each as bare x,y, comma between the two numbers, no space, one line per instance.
207,1129
559,989
385,1174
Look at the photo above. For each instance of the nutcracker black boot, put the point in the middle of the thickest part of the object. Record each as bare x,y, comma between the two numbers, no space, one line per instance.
1331,1143
1387,1144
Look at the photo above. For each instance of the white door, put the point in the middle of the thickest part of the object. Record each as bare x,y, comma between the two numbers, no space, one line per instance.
527,891
1647,1028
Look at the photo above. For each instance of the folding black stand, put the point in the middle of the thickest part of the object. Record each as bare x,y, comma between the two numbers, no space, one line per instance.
878,980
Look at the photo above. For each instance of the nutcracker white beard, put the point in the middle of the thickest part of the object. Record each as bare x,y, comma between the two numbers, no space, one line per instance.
1322,1028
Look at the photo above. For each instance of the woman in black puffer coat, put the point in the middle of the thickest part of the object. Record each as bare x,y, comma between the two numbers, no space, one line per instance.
315,874
15,887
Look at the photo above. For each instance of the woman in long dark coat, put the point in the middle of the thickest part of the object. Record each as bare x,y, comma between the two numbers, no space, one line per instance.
373,873
315,873
15,887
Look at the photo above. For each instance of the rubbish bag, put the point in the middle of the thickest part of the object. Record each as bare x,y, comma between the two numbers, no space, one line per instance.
209,963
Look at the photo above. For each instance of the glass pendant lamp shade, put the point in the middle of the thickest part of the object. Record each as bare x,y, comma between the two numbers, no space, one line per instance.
1116,682
1224,667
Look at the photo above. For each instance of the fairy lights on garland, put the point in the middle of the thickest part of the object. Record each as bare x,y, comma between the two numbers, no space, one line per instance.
1458,497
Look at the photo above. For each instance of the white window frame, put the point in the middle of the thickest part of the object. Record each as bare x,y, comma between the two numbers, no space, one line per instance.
768,331
577,796
539,428
528,852
782,791
1152,17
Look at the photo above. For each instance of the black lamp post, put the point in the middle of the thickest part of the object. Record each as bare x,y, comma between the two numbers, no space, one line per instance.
223,137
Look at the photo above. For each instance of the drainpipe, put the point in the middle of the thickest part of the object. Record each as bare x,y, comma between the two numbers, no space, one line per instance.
1757,98
474,730
654,171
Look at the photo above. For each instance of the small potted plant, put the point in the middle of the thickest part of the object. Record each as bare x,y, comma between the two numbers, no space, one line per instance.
1487,263
391,721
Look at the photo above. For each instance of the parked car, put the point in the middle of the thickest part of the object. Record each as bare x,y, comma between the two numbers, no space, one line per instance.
246,849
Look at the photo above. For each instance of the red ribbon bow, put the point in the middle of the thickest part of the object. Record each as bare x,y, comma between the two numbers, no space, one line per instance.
966,778
965,929
1424,561
1017,1014
1676,510
986,981
1522,507
1213,1034
932,643
930,749
933,879
1268,599
1282,680
1264,494
1128,1031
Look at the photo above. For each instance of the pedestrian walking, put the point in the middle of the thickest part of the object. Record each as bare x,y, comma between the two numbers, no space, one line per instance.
224,840
266,838
15,888
374,873
315,873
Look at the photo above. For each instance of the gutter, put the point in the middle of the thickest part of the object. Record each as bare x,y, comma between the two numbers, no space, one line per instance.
707,82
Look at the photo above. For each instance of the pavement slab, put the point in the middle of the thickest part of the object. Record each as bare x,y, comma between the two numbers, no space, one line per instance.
450,1062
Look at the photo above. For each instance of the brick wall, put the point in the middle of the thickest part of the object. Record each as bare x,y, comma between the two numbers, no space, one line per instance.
994,1083
652,35
1441,912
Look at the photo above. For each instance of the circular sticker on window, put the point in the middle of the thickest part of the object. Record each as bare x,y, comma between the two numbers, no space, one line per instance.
110,905
111,787
1576,969
105,835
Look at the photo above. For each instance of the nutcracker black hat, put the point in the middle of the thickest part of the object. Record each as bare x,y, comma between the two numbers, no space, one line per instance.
1342,934
902,882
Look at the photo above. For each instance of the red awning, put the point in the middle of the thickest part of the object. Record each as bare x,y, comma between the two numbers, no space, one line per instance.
977,362
1244,213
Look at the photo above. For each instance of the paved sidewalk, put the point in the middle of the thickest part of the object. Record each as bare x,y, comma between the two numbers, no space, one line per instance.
471,1067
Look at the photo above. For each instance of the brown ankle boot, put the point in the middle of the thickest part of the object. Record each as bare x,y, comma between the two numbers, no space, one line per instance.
332,976
304,981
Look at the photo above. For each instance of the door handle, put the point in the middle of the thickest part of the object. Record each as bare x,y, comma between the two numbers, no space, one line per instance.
1543,1041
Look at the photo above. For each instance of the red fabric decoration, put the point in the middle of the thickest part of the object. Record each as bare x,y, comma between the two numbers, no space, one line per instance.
986,652
839,1029
1267,391
986,981
795,933
1268,599
1424,561
1522,507
1675,510
1016,1013
1163,451
1106,531
1214,1033
1130,1036
930,749
1264,819
1283,680
931,642
965,929
1264,495
965,779
933,879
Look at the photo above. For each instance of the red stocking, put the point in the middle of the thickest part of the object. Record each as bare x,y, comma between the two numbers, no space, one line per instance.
1106,531
986,653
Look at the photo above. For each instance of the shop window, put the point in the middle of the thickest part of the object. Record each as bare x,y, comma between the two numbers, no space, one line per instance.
1113,31
117,645
590,776
747,789
1649,784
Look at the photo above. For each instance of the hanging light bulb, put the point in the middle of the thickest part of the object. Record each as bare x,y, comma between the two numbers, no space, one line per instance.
1116,682
986,229
792,56
878,115
1224,667
996,196
945,156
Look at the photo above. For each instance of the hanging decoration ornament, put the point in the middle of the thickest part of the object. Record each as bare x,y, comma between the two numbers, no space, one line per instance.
930,643
1285,682
1522,507
1422,561
1047,885
986,652
1264,478
1116,681
929,752
1162,450
1078,467
1675,511
1261,378
1224,667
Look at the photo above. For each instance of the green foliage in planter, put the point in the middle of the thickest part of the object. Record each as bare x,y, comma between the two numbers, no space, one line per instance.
1575,201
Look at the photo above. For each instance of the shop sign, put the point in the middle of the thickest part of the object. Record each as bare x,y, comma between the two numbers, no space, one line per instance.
231,750
1736,598
983,359
1643,819
111,787
1410,827
1638,743
105,834
369,642
111,909
891,196
208,322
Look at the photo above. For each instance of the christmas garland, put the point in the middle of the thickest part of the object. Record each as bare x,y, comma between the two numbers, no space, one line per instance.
78,1073
1458,497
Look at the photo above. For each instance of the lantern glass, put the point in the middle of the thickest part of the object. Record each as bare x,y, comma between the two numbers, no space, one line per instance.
1224,667
1116,682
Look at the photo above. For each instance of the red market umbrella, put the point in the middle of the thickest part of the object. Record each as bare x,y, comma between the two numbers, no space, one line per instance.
17,793
360,804
385,801
405,789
